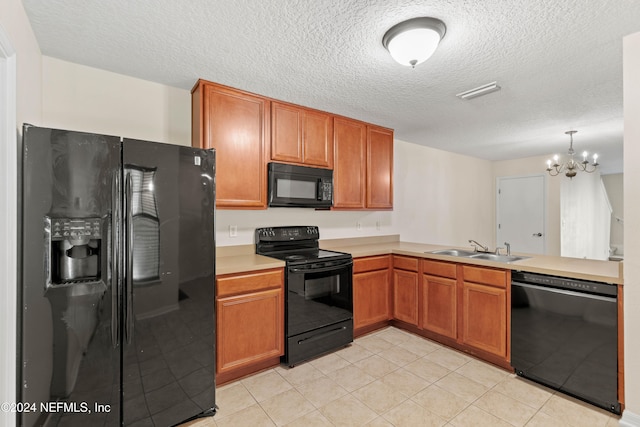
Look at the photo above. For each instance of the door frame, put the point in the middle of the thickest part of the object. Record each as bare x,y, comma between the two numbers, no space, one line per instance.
499,179
8,221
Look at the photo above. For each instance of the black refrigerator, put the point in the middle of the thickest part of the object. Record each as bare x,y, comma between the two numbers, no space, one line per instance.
116,299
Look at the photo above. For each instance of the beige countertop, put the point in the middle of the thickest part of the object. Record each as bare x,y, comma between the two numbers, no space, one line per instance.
238,259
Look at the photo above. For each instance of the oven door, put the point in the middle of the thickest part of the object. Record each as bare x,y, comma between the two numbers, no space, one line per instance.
318,297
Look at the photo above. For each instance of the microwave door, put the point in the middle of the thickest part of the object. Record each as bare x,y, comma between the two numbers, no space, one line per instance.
295,190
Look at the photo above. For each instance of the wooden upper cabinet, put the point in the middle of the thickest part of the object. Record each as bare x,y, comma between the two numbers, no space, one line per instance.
236,124
379,168
349,168
300,135
363,166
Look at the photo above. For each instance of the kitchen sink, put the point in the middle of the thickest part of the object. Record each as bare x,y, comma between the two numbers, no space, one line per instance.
452,252
478,255
498,258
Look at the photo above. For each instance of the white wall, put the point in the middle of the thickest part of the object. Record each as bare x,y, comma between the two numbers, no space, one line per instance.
442,197
615,190
631,72
25,60
77,97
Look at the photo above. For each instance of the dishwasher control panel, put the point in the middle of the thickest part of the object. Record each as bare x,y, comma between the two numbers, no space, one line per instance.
565,283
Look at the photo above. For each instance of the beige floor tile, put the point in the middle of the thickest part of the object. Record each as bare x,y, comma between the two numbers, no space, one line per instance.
574,412
354,353
614,421
266,385
321,391
351,377
329,363
476,417
427,370
312,419
286,407
505,408
394,336
348,411
379,396
462,387
483,373
253,416
540,419
398,355
376,366
374,343
379,422
410,414
448,358
441,402
405,382
524,391
419,346
202,422
233,398
299,374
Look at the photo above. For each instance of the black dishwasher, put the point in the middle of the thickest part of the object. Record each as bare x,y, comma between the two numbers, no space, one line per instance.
564,334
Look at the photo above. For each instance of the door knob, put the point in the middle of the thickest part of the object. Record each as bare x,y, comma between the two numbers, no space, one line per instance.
537,234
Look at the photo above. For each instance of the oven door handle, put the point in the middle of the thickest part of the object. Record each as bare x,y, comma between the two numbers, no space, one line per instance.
565,292
320,270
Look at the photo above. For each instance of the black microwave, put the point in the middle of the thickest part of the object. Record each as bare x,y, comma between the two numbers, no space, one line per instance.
300,186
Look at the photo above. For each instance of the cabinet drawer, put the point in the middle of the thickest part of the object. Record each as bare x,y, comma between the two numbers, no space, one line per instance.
405,263
487,276
361,265
439,268
249,282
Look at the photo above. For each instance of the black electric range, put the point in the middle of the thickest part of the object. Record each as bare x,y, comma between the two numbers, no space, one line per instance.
318,291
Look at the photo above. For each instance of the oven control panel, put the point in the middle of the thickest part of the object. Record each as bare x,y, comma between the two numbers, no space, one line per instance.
283,234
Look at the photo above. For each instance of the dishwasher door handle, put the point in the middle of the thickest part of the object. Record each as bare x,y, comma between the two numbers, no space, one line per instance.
565,292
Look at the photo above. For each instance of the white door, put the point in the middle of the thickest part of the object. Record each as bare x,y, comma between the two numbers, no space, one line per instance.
520,213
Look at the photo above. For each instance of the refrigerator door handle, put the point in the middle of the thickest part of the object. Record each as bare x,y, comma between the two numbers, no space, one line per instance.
128,289
115,261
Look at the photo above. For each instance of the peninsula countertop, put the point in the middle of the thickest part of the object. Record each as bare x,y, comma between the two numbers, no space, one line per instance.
238,259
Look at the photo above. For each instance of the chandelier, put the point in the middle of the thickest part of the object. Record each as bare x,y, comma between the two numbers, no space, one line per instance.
571,167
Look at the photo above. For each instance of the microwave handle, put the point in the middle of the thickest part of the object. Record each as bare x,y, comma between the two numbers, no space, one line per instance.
319,190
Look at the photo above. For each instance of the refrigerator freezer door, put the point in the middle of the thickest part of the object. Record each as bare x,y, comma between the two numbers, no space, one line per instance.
168,350
70,362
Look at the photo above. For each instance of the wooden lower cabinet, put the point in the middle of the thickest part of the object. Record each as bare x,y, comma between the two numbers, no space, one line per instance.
485,316
406,295
439,305
249,323
371,293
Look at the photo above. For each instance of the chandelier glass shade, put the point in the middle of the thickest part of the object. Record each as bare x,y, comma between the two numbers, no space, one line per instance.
572,166
414,41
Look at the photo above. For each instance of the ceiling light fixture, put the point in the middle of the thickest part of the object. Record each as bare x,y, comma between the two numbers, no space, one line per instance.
479,91
571,167
414,41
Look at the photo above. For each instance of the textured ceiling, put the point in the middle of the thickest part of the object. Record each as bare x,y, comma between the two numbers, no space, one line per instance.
559,62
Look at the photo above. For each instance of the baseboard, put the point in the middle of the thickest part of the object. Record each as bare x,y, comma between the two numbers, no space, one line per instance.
629,419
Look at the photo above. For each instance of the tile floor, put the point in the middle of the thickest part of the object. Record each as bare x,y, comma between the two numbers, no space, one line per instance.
394,378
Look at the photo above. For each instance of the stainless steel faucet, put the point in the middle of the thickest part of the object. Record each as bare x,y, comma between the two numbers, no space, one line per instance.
478,245
508,248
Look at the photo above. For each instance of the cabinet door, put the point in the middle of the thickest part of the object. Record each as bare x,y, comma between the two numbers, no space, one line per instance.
250,329
484,318
439,305
236,124
370,298
349,168
317,139
405,296
286,133
379,168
